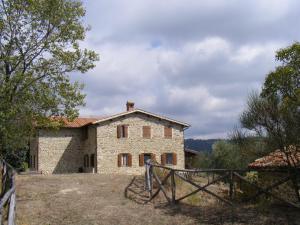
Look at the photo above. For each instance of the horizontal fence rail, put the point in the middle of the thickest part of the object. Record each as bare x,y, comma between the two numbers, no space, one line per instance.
230,177
8,194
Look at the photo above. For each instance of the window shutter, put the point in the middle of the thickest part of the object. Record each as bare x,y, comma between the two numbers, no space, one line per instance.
141,159
153,158
119,131
163,159
119,160
129,160
146,132
168,132
174,159
126,131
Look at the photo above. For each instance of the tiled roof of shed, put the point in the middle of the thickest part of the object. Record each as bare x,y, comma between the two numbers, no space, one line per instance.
79,122
276,159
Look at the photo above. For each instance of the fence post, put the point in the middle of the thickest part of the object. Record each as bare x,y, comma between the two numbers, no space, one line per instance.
4,176
173,187
231,185
150,180
12,204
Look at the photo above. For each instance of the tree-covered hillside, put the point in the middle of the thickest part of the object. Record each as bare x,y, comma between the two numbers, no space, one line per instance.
200,145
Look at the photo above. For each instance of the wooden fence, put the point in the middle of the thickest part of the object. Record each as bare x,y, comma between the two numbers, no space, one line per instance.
229,177
8,194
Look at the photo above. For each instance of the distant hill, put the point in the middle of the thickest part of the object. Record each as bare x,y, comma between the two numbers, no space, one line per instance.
200,145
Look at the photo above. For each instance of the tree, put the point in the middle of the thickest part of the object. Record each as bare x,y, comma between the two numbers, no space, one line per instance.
274,114
39,48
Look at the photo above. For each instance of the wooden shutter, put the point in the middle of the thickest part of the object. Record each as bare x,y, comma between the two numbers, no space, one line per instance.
174,159
163,159
141,159
153,157
146,132
129,160
125,131
119,130
168,132
119,160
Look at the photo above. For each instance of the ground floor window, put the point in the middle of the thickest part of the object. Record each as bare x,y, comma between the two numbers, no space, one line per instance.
147,156
169,159
124,160
144,157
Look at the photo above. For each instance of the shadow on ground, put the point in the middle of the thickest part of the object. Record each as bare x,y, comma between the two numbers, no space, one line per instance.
218,213
136,192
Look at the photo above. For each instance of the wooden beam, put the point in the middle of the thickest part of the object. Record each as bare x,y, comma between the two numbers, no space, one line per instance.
205,190
206,185
266,191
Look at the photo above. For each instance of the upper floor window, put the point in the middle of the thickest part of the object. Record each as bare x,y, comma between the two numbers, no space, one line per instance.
124,160
168,132
169,159
146,132
122,131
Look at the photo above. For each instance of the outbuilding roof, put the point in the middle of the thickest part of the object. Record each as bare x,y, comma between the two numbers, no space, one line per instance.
276,159
77,122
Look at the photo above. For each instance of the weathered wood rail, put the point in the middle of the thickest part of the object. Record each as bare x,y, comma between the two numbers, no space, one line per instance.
8,194
229,177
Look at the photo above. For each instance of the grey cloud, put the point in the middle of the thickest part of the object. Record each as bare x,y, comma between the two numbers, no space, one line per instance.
192,60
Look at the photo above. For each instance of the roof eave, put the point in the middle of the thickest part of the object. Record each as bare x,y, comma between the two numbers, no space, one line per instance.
144,112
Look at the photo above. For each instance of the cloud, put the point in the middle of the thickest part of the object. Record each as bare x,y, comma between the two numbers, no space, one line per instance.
192,60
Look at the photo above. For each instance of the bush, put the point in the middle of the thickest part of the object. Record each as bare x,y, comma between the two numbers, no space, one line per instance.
24,166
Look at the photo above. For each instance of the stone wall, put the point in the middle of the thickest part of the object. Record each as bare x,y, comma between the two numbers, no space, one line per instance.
60,151
109,146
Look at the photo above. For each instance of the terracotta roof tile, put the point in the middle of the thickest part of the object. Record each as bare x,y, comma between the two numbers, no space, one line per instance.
79,122
276,159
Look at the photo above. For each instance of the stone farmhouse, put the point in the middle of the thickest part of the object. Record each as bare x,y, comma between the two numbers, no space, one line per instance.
119,143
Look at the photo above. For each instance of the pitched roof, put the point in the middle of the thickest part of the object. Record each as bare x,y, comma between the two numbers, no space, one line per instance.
276,159
192,151
143,112
77,122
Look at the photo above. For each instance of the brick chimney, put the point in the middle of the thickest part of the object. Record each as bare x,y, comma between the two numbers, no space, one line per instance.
129,106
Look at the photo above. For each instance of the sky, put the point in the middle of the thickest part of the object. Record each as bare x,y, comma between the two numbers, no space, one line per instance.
194,60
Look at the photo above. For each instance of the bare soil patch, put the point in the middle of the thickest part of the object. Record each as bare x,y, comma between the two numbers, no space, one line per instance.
100,199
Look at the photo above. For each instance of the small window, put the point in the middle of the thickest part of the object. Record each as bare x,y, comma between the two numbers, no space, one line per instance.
124,160
146,132
92,158
33,161
169,158
168,132
122,131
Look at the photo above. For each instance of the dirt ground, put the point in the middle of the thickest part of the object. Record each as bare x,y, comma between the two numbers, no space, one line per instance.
101,199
